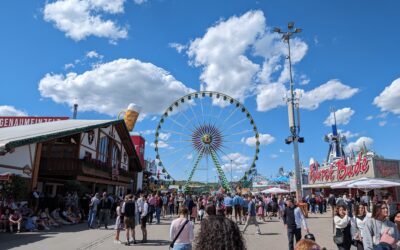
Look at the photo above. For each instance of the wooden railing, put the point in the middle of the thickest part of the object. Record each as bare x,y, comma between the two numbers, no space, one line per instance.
73,167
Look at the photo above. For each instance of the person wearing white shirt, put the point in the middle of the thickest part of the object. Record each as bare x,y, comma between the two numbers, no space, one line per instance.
143,218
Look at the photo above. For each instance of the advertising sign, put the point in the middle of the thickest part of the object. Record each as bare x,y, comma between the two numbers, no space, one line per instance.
139,143
11,121
339,171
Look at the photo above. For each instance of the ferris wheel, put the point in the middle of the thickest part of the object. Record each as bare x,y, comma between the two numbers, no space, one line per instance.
207,134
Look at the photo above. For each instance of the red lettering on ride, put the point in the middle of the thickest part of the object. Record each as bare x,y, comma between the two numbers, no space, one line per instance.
342,170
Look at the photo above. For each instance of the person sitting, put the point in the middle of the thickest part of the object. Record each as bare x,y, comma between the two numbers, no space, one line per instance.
71,217
219,232
46,216
56,216
4,220
15,219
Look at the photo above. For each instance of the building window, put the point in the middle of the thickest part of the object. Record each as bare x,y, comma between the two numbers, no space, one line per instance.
103,149
115,156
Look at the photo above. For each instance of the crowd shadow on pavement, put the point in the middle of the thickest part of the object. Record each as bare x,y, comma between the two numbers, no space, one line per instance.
151,243
11,240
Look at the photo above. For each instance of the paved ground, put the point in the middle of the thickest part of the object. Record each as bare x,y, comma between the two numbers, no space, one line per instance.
78,237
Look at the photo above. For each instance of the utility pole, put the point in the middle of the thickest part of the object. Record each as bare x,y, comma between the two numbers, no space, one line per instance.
293,111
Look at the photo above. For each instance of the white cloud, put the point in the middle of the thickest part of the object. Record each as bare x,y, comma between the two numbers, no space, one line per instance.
281,151
189,157
178,47
147,132
239,162
274,156
139,1
108,88
82,18
271,96
6,110
69,66
370,117
382,123
359,144
264,139
160,144
221,54
331,90
164,136
382,115
343,116
154,118
348,134
93,54
389,98
229,54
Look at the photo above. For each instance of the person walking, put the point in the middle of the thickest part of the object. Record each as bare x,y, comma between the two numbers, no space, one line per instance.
237,201
228,202
293,219
182,231
94,202
251,217
128,210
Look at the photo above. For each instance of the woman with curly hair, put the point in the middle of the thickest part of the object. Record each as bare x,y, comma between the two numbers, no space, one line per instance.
219,233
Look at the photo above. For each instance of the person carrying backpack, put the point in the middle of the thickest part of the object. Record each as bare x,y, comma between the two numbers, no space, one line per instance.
128,211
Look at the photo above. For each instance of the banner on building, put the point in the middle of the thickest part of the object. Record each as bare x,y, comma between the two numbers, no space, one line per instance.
12,121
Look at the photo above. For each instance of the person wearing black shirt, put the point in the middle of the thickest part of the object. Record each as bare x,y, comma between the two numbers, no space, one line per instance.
293,218
104,208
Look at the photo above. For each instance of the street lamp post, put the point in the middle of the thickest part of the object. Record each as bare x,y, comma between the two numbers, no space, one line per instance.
293,111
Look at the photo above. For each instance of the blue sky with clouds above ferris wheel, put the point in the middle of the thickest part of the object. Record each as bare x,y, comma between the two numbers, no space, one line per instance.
106,54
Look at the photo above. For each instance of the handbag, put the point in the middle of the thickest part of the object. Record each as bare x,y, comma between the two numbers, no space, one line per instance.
176,237
338,239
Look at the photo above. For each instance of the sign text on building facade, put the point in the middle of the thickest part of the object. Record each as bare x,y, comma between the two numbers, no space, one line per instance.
11,121
339,171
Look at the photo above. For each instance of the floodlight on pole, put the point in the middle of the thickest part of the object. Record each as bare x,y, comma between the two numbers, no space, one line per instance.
293,111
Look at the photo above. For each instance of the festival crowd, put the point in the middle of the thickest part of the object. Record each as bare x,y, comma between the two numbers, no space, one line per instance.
363,222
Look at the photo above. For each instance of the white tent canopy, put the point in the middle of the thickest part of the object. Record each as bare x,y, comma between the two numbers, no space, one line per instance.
274,190
345,184
366,183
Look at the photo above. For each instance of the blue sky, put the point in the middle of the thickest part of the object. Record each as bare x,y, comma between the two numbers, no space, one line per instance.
107,54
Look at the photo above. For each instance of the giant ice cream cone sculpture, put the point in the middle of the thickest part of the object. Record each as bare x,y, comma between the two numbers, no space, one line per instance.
131,115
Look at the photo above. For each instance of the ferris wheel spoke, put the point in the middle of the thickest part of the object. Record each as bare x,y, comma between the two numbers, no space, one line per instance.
173,164
235,124
180,141
180,125
176,132
174,152
194,115
230,115
239,133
